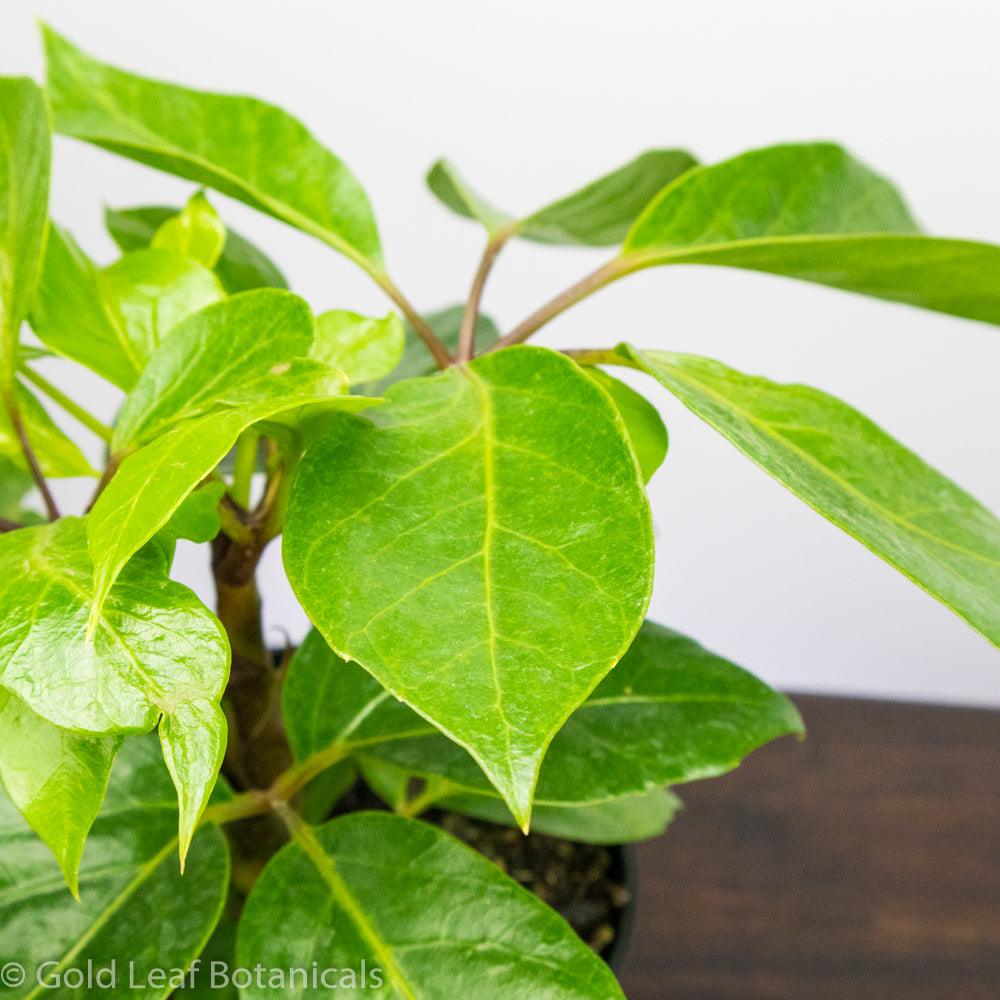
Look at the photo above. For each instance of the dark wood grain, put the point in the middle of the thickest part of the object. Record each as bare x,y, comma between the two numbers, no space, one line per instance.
863,863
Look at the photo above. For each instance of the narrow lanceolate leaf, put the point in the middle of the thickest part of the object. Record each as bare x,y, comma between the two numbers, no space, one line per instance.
25,163
645,426
241,267
133,900
221,371
504,499
111,319
57,454
151,649
196,232
813,212
364,348
245,148
597,215
55,778
853,473
376,895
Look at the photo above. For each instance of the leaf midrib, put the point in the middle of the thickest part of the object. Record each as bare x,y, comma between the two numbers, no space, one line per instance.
327,870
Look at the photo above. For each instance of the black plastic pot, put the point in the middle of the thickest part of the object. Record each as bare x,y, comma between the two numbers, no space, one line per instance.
624,869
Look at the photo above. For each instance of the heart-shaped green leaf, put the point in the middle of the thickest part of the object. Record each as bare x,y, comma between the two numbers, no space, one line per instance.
203,137
241,267
669,712
152,649
135,906
364,348
196,232
503,499
813,212
403,906
112,319
597,215
853,473
25,164
57,779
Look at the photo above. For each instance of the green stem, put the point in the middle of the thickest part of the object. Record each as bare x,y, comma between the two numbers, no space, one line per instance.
245,464
433,792
596,280
438,351
252,803
73,409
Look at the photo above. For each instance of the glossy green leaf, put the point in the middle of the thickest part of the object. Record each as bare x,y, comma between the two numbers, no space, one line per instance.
25,165
597,215
206,138
450,188
241,268
249,365
55,778
854,474
668,713
57,454
417,360
197,518
482,498
426,914
813,212
112,319
135,906
244,352
196,232
151,649
15,484
199,983
645,426
623,820
364,348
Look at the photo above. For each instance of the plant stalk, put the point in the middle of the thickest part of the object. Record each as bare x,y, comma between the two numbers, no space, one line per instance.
438,351
467,331
596,280
72,408
29,456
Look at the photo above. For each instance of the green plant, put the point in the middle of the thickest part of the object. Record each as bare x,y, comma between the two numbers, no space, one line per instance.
474,547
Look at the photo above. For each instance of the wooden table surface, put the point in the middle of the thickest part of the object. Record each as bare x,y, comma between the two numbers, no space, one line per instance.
862,864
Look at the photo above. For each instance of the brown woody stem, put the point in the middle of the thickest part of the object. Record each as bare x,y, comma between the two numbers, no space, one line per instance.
30,458
467,331
596,280
438,351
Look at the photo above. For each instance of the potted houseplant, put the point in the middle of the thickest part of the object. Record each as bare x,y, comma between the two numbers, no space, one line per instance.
464,521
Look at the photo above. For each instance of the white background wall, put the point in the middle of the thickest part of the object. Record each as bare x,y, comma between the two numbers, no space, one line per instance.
532,99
